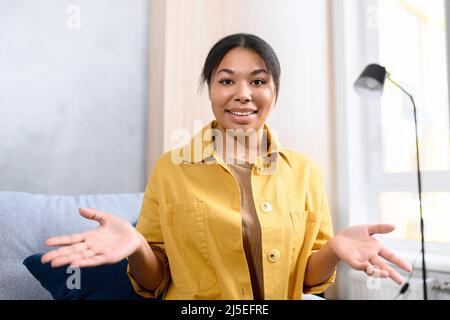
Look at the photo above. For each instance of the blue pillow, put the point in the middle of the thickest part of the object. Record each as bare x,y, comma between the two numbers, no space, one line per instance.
107,282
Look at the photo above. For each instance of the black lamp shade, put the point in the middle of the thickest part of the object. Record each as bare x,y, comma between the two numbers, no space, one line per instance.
371,81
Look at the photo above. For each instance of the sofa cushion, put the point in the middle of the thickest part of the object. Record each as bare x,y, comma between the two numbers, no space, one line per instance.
27,220
106,282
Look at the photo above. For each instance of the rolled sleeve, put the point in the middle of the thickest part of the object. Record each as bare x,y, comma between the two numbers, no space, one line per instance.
152,294
325,233
320,288
323,237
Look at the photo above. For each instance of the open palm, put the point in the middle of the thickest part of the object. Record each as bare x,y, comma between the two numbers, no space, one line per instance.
114,240
358,248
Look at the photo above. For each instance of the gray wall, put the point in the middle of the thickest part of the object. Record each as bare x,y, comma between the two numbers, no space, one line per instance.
73,101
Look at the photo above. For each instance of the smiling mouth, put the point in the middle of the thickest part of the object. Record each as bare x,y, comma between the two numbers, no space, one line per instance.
242,114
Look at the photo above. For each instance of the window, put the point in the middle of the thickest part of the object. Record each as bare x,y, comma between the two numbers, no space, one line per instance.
411,44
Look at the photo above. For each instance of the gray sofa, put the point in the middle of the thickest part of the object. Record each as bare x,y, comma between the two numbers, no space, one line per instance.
27,220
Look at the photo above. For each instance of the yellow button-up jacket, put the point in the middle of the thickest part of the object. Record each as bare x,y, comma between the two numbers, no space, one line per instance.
191,215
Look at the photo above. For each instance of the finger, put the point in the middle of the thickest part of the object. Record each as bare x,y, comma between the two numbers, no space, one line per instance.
65,240
63,260
49,256
80,255
390,256
380,228
376,272
68,259
358,265
94,214
59,261
94,261
394,275
71,249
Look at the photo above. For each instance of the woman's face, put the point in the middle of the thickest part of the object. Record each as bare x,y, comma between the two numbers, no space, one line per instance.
242,92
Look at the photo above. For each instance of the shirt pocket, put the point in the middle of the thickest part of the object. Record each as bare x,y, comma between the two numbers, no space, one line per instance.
186,226
299,225
187,249
312,228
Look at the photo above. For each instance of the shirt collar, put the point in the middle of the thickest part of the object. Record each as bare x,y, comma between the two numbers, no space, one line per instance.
201,149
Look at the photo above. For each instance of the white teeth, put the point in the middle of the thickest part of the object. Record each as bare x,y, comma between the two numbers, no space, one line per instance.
241,113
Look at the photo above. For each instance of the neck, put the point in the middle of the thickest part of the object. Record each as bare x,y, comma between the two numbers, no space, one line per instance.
242,146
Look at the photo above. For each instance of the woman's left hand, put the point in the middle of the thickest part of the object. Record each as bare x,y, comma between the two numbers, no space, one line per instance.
358,248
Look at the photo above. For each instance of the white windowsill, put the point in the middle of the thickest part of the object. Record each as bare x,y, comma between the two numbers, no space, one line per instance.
434,261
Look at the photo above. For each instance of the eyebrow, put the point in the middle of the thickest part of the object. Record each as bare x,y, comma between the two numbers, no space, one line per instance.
254,72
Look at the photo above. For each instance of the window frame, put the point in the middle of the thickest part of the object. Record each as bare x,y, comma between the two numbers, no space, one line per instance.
359,158
378,181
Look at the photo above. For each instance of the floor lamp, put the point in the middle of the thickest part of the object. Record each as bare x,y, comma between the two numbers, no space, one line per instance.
370,84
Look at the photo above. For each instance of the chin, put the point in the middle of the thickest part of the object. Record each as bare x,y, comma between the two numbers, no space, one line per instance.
235,125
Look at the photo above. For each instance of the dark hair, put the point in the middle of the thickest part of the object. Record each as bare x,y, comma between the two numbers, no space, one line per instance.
246,41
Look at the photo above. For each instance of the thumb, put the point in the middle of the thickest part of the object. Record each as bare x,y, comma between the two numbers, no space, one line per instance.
380,228
94,214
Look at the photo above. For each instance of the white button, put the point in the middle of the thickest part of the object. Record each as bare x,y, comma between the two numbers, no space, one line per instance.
266,207
273,255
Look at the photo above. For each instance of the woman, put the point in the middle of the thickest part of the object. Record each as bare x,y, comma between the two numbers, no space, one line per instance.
231,215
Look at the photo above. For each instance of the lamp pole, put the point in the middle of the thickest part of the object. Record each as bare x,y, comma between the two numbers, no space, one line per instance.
370,84
419,179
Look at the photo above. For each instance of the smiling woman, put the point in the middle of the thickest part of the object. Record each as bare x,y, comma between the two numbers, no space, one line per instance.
242,98
243,77
232,226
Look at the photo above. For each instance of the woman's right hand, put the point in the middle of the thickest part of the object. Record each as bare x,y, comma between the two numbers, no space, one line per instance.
114,240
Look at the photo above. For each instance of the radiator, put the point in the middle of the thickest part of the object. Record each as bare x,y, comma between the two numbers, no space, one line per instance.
363,287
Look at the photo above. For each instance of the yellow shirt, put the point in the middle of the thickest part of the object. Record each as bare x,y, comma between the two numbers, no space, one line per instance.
191,215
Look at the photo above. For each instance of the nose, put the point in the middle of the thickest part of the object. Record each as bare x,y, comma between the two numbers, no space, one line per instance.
243,93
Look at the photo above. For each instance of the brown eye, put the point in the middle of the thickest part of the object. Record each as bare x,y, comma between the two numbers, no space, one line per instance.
226,82
258,82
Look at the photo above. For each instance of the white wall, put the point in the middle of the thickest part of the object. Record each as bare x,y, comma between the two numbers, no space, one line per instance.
73,103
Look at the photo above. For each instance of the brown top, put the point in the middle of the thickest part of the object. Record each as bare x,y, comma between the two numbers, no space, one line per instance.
251,229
